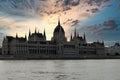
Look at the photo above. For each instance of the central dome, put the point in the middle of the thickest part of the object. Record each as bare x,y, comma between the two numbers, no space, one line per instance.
59,28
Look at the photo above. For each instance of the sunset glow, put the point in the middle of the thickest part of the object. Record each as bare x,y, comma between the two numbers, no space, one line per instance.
99,19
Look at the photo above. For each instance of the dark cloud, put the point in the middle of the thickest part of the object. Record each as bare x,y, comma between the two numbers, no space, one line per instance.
96,2
66,4
72,22
68,21
75,23
93,27
108,25
66,8
72,2
41,7
94,10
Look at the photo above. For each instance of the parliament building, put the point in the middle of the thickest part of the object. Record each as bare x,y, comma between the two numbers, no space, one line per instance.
36,45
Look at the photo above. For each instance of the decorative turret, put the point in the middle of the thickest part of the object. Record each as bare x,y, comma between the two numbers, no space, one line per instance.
29,33
44,34
16,35
103,43
75,33
84,37
59,22
35,30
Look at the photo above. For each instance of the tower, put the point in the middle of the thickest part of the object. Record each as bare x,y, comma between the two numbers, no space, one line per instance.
35,30
71,37
84,37
29,33
59,21
44,34
75,33
16,35
59,33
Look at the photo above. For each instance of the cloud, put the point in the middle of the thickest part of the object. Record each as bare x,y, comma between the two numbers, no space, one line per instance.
72,2
44,13
94,10
75,23
96,2
108,25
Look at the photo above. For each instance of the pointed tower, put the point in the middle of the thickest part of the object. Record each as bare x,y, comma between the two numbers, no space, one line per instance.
16,35
29,33
103,43
84,37
71,37
44,34
35,30
59,22
75,33
59,33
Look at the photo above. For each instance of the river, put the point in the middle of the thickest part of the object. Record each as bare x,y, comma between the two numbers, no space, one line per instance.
60,70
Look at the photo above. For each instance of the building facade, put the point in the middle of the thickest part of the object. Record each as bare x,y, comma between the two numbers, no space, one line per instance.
113,50
36,45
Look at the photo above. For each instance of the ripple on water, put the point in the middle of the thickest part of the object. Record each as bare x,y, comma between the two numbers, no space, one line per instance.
60,70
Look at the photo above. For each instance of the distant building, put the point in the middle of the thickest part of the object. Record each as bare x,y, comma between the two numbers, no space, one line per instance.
36,45
113,50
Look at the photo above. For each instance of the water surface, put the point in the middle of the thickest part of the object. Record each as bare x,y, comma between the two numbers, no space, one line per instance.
60,70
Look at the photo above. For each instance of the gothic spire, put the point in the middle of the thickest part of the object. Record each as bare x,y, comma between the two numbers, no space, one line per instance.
16,35
59,21
84,37
103,43
71,37
44,34
29,33
35,30
75,33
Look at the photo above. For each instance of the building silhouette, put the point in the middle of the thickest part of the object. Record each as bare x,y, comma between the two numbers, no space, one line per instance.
37,46
113,50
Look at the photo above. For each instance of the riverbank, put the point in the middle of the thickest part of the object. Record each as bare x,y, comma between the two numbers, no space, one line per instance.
59,58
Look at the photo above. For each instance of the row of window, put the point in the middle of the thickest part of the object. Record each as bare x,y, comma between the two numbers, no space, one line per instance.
69,46
41,42
34,51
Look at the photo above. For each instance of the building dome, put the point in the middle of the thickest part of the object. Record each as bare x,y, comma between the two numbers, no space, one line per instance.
59,28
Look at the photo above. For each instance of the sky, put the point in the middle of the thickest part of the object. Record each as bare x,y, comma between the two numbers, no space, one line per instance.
99,19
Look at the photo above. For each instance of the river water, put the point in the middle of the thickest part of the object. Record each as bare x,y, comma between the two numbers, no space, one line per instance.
60,70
